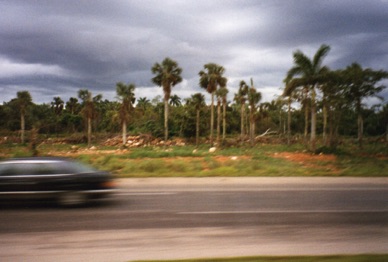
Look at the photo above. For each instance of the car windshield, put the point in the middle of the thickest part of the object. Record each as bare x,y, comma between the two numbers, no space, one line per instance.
12,168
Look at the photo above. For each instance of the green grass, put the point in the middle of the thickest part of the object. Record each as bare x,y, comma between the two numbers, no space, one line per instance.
186,161
339,258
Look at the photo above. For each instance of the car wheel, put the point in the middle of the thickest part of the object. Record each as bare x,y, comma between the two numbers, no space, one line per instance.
72,198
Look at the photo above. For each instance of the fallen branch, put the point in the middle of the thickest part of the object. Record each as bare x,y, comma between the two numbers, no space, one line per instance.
267,133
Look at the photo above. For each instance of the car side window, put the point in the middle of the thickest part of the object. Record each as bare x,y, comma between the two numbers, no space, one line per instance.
43,168
8,170
26,169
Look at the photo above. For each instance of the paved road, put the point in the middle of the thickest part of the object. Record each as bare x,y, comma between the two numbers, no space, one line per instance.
205,217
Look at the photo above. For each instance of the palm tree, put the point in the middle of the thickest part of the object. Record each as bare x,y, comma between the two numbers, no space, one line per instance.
300,94
168,74
23,100
72,105
198,102
332,91
254,98
143,103
308,73
72,110
218,117
126,95
361,83
57,105
292,96
289,101
241,98
222,94
88,109
210,79
175,100
279,106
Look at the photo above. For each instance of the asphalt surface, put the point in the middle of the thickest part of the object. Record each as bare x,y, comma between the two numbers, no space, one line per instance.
171,218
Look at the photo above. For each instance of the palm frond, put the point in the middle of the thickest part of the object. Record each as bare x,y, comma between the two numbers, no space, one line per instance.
294,84
319,55
302,62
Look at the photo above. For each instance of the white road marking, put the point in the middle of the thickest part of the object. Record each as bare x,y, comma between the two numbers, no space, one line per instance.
146,193
252,189
277,211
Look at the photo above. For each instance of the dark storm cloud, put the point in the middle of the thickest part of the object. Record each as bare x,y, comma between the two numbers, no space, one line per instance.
54,48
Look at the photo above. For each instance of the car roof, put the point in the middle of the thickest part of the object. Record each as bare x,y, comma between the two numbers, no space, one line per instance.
36,160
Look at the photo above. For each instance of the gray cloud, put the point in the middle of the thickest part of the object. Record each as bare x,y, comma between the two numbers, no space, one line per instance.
54,48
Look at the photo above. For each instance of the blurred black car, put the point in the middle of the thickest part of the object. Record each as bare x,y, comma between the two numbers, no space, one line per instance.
68,182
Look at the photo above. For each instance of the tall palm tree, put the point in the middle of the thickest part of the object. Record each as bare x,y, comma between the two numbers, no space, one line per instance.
88,110
198,102
241,98
254,98
331,92
57,106
218,128
167,75
308,73
23,100
279,106
222,93
300,94
210,79
360,84
289,101
126,94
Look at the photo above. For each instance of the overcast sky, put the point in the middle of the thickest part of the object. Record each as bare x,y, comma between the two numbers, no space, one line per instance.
54,48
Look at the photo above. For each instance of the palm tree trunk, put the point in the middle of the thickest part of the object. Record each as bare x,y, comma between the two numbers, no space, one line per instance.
212,119
224,122
306,115
22,127
325,113
218,122
242,122
165,119
280,122
197,130
124,133
289,121
313,121
251,127
330,128
360,123
89,131
306,122
247,125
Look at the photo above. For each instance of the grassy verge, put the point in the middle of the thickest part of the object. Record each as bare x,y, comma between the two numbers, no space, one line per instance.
350,258
235,162
186,161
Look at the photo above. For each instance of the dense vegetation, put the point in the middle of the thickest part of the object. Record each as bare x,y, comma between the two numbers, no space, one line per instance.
318,105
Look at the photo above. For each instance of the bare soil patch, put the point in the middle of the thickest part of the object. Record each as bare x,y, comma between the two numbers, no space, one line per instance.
310,160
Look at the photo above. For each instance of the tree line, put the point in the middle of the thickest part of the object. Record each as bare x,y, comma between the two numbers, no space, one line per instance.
315,100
